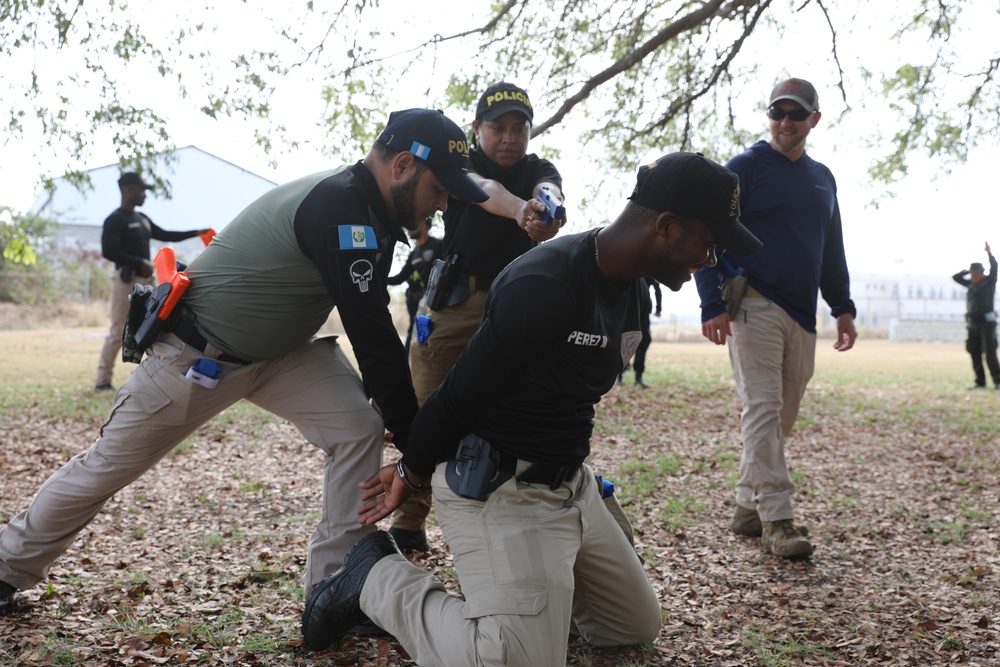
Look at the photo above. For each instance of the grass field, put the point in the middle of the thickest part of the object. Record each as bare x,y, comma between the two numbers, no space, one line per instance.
199,562
67,356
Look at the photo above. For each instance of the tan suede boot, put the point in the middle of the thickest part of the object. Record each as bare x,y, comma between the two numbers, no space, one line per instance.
783,539
746,522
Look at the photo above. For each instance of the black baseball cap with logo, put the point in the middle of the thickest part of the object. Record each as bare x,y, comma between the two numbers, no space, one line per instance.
501,98
436,141
692,186
132,178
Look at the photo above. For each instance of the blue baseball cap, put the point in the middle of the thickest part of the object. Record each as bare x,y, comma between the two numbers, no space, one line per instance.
436,141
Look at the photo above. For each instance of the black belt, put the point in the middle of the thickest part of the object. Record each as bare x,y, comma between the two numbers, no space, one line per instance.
481,284
550,474
187,331
465,285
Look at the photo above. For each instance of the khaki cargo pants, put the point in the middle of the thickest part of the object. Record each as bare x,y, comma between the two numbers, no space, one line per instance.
535,565
773,359
314,387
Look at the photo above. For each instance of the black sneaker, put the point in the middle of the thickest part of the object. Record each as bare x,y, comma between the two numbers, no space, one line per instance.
104,387
367,628
334,606
6,597
410,541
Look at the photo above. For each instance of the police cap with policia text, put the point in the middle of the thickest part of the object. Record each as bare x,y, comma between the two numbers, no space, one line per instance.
501,98
436,141
692,186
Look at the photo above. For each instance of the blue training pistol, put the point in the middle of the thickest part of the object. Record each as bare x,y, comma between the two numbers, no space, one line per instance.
554,210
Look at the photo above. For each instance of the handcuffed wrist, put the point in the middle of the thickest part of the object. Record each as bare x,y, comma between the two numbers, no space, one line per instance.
401,471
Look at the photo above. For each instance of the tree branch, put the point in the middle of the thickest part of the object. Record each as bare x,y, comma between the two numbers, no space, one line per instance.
721,67
635,57
438,39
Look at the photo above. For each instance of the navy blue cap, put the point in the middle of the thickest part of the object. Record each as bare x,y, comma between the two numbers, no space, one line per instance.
436,141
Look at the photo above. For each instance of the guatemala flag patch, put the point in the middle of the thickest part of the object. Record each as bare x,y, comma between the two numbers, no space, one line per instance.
420,151
357,237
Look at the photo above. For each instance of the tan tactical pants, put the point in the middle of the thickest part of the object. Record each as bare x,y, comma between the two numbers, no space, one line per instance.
773,359
113,341
534,565
314,387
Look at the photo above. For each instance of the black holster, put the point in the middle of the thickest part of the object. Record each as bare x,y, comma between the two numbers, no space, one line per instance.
475,471
131,354
143,325
440,281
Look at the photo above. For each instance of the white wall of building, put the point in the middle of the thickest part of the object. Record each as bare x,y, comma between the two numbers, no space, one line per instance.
206,191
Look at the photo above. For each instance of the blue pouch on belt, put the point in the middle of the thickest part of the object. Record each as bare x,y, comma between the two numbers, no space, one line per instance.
424,326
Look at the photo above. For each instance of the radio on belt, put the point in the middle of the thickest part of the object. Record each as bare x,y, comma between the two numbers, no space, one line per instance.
206,373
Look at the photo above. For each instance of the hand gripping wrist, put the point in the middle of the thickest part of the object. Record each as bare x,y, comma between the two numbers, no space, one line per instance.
401,471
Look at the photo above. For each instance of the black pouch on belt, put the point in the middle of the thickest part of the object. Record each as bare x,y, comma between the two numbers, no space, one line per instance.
475,471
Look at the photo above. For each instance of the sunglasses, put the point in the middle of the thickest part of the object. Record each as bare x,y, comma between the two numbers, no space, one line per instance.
798,115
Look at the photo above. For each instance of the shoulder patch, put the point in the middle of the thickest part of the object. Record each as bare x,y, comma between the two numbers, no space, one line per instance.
357,237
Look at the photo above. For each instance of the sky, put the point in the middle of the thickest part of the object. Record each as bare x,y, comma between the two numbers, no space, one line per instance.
934,224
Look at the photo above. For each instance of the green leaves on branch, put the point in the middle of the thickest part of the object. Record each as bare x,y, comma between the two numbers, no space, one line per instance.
20,235
944,104
615,79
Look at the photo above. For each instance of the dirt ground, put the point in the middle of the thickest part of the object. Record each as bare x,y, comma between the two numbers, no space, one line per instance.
897,469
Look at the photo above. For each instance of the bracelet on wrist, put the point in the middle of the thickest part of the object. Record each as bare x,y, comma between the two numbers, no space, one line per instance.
401,470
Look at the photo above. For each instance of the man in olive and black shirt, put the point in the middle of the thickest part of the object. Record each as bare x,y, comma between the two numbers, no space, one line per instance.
259,294
539,555
982,319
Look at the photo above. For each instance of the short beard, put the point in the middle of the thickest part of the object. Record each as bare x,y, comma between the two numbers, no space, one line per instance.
405,202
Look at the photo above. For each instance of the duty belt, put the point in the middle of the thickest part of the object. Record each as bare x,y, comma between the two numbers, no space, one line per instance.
474,283
550,474
465,285
186,329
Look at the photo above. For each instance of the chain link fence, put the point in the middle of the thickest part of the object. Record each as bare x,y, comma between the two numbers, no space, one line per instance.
84,285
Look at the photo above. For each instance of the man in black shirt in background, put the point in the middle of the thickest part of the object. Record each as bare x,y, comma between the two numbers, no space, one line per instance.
125,241
981,319
426,249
